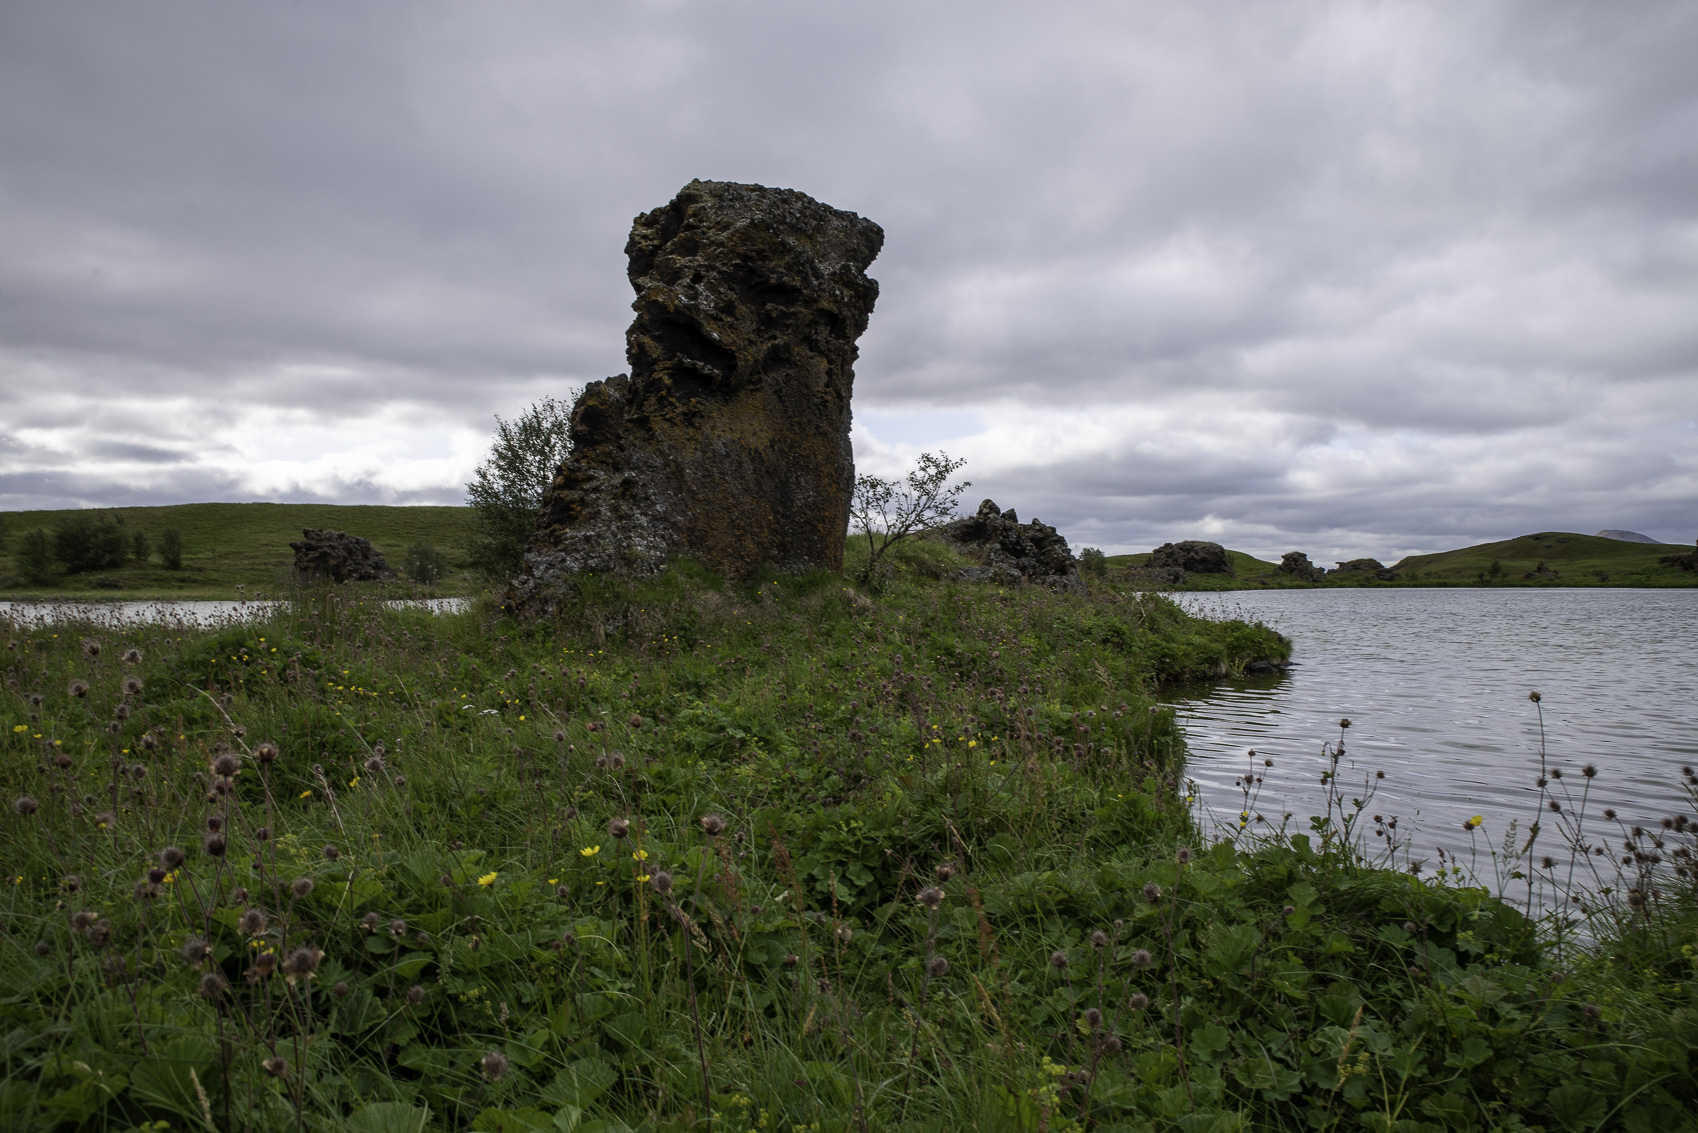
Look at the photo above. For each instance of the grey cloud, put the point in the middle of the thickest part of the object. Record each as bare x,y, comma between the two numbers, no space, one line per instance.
1456,241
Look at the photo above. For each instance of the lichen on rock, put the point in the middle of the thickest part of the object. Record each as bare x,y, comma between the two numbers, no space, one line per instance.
728,441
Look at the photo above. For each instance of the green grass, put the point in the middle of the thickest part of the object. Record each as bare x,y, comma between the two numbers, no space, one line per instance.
958,886
1579,560
226,545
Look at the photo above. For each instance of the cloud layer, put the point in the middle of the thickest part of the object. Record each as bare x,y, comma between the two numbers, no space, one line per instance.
1356,279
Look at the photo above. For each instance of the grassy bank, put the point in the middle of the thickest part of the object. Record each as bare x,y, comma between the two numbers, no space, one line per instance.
1550,558
777,858
230,545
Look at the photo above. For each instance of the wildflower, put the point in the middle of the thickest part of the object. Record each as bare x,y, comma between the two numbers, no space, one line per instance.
301,887
937,967
1474,822
713,825
494,1065
266,753
931,897
25,805
488,879
590,851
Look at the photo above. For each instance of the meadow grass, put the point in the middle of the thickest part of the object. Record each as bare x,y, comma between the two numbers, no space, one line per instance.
790,856
229,548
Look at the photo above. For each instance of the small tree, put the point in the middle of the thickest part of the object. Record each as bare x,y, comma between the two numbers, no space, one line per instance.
1093,562
424,563
506,490
888,511
171,548
35,558
140,548
85,541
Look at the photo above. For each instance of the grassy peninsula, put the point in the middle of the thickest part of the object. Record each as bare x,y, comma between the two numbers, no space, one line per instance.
791,856
229,545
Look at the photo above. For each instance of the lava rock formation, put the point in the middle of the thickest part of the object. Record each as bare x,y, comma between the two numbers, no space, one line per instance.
322,555
729,439
1191,555
1011,551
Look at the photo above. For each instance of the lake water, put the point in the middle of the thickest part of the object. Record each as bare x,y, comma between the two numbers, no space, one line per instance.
1435,685
198,614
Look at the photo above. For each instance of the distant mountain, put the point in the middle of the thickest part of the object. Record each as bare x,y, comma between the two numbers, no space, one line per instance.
1627,536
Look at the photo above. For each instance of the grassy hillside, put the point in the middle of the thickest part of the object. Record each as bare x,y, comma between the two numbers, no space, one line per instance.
789,857
1578,560
1245,567
229,544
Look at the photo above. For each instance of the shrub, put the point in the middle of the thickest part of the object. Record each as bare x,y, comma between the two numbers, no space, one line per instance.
1093,562
86,542
140,547
506,489
889,511
34,557
171,548
424,563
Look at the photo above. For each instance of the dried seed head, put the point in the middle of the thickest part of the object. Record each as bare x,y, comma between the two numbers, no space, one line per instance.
214,823
713,825
331,853
340,989
25,806
1058,960
1093,1018
946,871
635,721
370,921
374,765
78,689
132,656
931,897
196,950
211,983
265,963
266,753
494,1066
214,845
302,962
276,1066
1152,892
415,995
171,857
301,886
618,828
252,922
559,736
81,921
563,891
844,933
263,834
397,927
662,881
1099,939
1141,959
1592,1011
100,932
71,883
1534,696
42,948
227,764
1183,856
790,961
1138,1002
937,967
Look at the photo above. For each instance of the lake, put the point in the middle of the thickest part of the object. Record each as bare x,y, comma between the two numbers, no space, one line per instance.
1435,684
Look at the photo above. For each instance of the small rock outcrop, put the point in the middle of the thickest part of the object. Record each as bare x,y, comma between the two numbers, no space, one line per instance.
1010,551
729,439
1192,555
1365,566
322,555
1688,561
1297,565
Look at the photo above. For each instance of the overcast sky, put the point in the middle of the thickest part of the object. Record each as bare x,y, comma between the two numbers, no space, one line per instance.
1354,278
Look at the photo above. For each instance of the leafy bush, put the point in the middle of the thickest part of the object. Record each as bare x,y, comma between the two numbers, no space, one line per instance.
424,563
140,547
1093,562
886,512
35,557
87,541
171,548
506,490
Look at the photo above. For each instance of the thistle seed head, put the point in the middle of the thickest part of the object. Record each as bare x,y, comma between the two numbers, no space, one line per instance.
1152,892
415,995
1183,856
1141,959
214,845
945,871
331,853
1138,1002
1099,939
302,962
196,950
227,764
1058,960
713,825
931,897
619,828
266,753
252,922
276,1066
301,886
211,983
494,1066
937,967
661,881
1093,1018
397,927
25,806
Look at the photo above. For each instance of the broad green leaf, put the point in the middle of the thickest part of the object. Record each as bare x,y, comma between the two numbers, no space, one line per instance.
388,1117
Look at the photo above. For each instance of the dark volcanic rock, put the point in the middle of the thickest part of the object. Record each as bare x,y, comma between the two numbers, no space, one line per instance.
1011,551
325,555
1688,561
1297,564
729,440
1365,566
1191,555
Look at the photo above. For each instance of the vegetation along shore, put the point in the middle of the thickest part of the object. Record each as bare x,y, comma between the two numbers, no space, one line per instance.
795,855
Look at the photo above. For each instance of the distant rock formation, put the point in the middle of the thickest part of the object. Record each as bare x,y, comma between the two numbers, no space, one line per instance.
1688,561
1626,536
1297,565
1191,555
323,555
729,440
1365,566
1011,551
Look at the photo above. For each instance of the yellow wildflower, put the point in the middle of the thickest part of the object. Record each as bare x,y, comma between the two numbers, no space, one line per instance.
590,851
487,879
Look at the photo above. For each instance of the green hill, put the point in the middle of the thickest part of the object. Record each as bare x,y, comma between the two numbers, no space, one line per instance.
226,545
1568,558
